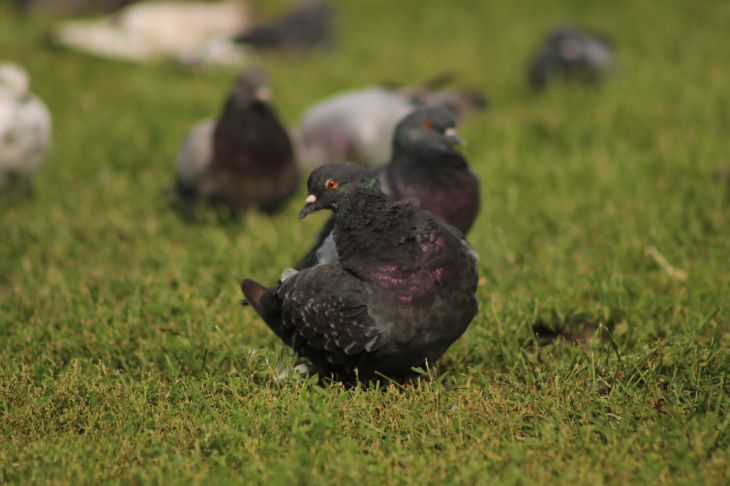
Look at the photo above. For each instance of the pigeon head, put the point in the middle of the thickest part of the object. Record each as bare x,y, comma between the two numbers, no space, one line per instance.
571,53
566,43
571,45
331,184
427,128
252,85
13,80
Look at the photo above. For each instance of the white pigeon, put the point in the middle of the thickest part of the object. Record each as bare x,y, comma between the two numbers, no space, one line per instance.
189,32
25,126
358,125
195,155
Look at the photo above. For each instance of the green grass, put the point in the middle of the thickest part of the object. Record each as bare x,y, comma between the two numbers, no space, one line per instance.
126,357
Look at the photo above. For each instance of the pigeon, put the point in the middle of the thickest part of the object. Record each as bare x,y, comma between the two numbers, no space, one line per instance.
358,126
402,292
426,168
244,159
74,6
194,159
305,26
190,32
571,54
25,127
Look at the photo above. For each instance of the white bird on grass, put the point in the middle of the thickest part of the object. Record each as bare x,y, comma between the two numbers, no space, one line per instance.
25,127
358,125
188,32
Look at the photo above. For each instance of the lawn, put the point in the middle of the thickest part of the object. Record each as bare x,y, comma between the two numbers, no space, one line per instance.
126,357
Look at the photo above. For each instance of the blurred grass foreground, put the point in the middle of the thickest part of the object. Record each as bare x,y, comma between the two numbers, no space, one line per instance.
601,350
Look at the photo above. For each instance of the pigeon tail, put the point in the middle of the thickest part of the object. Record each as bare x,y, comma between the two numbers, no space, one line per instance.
462,101
265,304
253,292
471,100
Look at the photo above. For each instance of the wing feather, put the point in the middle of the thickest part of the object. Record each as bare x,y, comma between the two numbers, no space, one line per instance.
325,309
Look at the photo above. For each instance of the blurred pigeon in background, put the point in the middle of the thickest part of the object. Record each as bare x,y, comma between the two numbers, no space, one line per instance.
424,168
358,126
25,127
189,32
402,292
74,7
568,53
243,160
305,26
194,160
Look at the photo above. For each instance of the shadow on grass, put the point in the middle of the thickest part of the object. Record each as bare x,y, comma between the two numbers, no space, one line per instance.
575,328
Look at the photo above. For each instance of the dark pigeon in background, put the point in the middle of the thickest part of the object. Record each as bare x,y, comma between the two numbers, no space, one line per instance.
402,292
426,168
305,26
243,160
568,53
358,126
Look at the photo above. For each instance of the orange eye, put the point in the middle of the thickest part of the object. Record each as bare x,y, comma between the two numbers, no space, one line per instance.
330,184
427,125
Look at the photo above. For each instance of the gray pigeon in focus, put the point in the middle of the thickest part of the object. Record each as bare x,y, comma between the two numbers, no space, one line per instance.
243,160
25,127
306,25
425,168
568,53
402,292
358,126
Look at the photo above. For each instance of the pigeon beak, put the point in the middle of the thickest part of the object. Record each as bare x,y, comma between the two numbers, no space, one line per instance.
263,94
453,137
309,206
